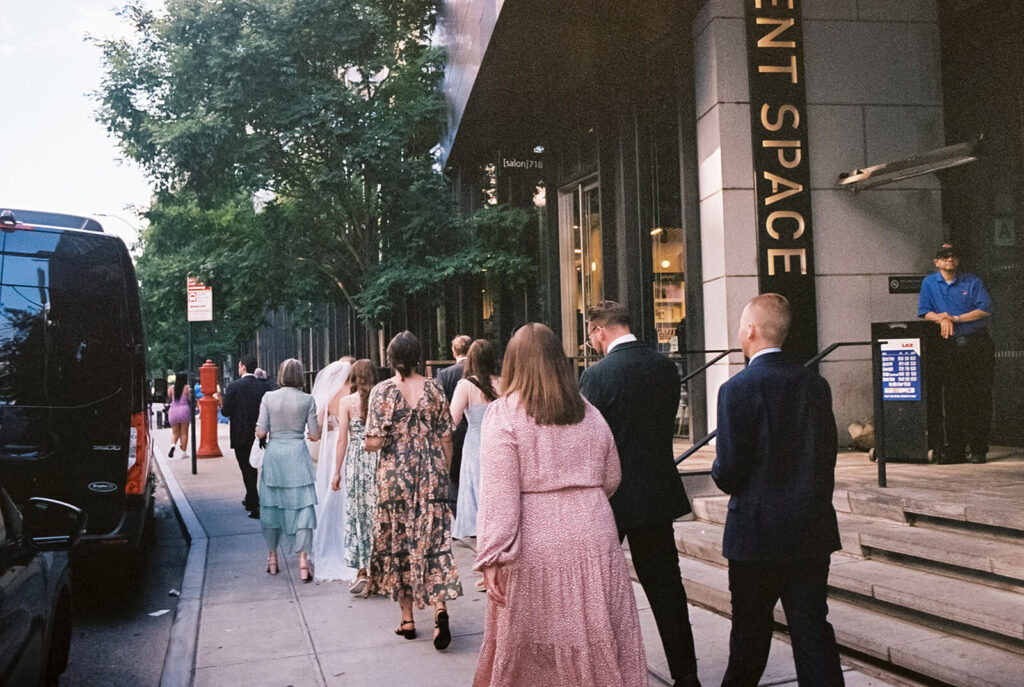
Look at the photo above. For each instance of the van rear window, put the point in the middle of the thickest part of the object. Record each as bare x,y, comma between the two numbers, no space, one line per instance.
62,318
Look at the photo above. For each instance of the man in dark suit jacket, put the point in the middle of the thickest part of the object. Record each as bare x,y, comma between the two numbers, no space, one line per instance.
777,447
241,404
448,378
637,391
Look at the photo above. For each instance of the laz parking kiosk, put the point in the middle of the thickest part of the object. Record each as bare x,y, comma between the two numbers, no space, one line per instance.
908,424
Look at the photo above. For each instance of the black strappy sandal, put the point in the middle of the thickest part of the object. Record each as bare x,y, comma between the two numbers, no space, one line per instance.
408,634
444,635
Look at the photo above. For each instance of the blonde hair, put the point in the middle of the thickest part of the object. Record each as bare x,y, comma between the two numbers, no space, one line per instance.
536,368
290,373
772,314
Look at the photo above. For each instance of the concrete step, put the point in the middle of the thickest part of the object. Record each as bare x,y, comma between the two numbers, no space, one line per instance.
946,599
714,507
990,509
963,550
958,535
711,508
925,651
942,598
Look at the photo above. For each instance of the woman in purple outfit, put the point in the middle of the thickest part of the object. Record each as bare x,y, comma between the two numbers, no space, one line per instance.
560,606
179,414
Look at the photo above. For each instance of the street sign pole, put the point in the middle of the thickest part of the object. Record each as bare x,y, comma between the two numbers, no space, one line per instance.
192,402
199,306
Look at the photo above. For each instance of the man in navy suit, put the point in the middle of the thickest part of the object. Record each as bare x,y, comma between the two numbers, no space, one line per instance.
241,405
777,447
637,391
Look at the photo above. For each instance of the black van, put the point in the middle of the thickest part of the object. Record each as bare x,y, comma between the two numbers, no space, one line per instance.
74,424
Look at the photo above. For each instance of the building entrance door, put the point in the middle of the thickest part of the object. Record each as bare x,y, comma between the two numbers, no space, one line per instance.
579,210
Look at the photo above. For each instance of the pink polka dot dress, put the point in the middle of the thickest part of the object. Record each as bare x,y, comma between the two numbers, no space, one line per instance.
570,617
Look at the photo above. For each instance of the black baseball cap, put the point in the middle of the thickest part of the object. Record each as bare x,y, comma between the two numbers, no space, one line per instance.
946,251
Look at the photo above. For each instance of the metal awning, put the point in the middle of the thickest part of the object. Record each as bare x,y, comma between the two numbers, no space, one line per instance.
925,163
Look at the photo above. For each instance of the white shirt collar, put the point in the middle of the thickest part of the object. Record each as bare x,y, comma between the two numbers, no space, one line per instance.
460,358
625,338
773,349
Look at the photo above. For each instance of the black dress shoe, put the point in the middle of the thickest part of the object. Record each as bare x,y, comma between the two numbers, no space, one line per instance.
977,458
951,459
255,514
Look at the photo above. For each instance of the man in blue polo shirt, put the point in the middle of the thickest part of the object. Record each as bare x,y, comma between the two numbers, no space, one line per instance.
960,304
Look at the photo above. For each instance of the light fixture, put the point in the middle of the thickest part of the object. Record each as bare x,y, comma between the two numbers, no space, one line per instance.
593,267
925,163
656,230
665,264
538,149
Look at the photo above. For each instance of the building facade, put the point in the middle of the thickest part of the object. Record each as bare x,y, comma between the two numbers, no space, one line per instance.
683,156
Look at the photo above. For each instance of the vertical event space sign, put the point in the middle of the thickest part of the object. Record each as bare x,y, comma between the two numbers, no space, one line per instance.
782,177
200,301
901,369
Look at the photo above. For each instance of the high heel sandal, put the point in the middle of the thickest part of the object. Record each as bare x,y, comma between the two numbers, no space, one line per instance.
304,573
272,564
444,635
408,634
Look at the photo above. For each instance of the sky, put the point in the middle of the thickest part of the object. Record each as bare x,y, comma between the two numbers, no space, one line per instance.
54,155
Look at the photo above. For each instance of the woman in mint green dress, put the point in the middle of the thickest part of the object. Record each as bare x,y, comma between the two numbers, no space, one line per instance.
287,481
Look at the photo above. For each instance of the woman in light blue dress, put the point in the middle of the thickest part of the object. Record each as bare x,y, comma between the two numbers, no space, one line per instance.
479,385
287,481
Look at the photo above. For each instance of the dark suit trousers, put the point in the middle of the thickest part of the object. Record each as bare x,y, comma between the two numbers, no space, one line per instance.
656,560
249,475
967,369
803,587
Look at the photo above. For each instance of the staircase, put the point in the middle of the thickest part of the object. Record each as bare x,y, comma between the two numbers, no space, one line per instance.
930,579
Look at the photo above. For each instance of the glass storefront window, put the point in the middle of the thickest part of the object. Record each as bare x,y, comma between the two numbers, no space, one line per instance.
664,219
669,259
581,257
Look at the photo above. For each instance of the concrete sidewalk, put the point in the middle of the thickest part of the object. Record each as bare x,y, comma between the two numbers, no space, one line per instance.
253,629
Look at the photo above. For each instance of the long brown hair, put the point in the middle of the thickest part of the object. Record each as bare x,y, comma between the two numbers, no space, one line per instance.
362,378
536,368
481,363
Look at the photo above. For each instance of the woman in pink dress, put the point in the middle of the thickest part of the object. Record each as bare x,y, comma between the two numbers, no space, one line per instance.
179,413
560,608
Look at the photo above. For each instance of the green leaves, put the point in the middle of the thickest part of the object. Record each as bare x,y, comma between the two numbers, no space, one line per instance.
326,110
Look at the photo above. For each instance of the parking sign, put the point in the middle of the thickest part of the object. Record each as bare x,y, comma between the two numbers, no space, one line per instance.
200,301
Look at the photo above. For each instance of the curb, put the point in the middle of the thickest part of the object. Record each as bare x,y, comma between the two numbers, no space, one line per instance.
180,661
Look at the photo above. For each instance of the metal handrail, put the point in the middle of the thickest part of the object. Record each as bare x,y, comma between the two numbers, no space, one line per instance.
823,353
708,364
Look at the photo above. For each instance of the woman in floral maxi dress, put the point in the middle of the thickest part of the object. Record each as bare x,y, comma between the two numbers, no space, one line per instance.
359,469
410,424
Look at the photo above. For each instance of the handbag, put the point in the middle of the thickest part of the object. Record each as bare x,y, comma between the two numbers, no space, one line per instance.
256,454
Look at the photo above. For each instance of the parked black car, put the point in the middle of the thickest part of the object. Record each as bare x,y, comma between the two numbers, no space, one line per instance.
35,589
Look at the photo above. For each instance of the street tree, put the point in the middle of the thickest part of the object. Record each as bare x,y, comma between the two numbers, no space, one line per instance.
330,108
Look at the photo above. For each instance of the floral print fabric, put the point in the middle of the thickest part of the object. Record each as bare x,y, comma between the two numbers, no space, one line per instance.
361,501
412,544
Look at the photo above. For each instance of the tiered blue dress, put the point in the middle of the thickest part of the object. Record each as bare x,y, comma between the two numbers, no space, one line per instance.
287,481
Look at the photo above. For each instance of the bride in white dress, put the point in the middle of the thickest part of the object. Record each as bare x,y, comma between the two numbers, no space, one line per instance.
328,552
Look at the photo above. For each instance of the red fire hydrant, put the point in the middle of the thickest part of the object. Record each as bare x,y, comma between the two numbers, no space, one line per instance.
208,412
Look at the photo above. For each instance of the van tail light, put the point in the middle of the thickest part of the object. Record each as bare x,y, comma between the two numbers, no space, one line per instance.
138,455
